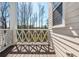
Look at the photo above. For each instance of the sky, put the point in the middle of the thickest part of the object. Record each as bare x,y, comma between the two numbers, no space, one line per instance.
35,9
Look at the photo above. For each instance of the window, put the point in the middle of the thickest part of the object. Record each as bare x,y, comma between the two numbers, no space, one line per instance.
57,14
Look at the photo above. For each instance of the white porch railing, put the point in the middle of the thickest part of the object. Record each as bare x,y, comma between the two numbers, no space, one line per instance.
28,40
32,41
32,35
5,39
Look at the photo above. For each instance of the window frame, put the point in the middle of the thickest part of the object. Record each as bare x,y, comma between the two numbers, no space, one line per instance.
63,16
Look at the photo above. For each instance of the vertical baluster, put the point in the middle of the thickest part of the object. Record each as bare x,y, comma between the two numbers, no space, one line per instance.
22,35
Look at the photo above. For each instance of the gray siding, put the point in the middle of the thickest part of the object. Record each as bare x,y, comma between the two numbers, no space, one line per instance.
66,39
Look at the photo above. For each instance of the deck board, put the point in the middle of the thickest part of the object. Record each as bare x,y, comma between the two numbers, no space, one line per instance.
31,55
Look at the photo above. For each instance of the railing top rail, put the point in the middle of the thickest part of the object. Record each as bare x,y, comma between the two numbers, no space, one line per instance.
5,29
25,29
31,29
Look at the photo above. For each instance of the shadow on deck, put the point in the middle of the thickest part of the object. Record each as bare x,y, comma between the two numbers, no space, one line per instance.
24,49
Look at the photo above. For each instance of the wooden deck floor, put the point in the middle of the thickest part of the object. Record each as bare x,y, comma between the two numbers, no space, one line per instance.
31,55
9,53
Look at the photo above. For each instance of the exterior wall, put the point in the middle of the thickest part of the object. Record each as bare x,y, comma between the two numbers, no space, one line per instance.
66,39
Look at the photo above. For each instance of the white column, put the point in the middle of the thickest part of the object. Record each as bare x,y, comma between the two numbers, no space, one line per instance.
13,20
50,21
50,15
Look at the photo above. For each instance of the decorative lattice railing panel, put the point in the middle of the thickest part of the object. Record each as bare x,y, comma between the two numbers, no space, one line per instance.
32,35
33,41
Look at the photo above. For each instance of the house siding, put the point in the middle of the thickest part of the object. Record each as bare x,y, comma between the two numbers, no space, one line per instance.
66,39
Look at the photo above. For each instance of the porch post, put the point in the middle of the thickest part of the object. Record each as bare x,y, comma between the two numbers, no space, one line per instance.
13,20
50,14
50,22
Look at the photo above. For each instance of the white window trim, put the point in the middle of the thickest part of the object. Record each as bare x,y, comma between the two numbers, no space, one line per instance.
63,18
56,6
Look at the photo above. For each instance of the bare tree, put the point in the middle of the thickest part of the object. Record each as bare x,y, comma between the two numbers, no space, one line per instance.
34,20
30,11
22,11
41,14
26,12
4,13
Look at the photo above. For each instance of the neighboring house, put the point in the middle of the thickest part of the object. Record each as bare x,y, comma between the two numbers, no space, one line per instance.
65,28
